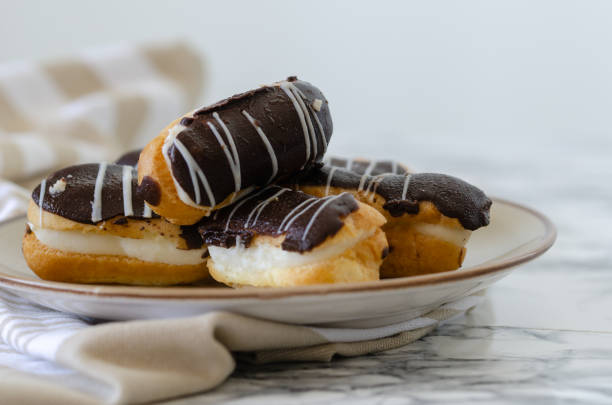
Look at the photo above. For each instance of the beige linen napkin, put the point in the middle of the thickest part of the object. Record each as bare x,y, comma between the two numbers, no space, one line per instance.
91,106
73,361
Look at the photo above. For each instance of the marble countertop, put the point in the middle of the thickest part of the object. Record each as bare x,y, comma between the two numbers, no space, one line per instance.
544,333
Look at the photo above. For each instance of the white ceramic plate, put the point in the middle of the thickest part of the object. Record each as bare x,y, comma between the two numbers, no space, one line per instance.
516,234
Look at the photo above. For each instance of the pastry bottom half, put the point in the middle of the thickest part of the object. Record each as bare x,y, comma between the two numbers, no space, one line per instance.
57,265
360,263
413,253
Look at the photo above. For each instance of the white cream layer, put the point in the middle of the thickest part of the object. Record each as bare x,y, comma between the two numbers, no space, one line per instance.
455,236
157,250
261,257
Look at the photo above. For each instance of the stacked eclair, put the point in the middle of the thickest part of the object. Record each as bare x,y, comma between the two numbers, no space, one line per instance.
241,191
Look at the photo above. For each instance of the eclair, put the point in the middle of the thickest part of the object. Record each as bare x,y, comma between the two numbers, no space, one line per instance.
213,156
281,237
88,224
429,216
366,166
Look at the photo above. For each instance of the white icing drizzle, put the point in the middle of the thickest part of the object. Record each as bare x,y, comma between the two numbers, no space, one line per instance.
146,211
266,142
238,205
305,209
260,207
330,176
297,207
233,146
311,131
194,169
316,214
41,197
316,104
393,167
321,130
373,186
314,114
126,183
372,164
406,181
365,175
232,158
96,204
285,86
168,142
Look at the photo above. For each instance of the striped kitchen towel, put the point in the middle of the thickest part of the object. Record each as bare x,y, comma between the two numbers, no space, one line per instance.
70,360
91,106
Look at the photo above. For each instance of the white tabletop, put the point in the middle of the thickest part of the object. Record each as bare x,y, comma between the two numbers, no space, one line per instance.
544,334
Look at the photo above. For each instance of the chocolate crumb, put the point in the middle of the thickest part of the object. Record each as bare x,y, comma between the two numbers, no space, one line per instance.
121,221
28,230
292,78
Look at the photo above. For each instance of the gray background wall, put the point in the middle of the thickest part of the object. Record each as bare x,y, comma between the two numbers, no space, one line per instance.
401,76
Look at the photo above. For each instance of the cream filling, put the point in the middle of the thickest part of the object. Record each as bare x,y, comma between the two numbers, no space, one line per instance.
262,257
155,250
455,236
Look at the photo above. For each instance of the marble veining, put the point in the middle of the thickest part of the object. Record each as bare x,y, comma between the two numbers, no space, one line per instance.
457,363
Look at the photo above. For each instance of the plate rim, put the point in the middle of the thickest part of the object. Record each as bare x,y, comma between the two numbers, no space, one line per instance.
543,243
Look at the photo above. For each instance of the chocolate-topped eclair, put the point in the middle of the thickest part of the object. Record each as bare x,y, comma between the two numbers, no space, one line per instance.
366,166
280,237
215,155
429,216
88,224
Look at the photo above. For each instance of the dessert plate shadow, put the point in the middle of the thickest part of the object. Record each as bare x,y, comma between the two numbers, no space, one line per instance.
516,235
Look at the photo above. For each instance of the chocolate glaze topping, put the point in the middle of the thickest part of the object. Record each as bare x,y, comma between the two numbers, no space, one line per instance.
91,189
249,139
77,201
129,158
151,189
452,197
305,221
363,166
